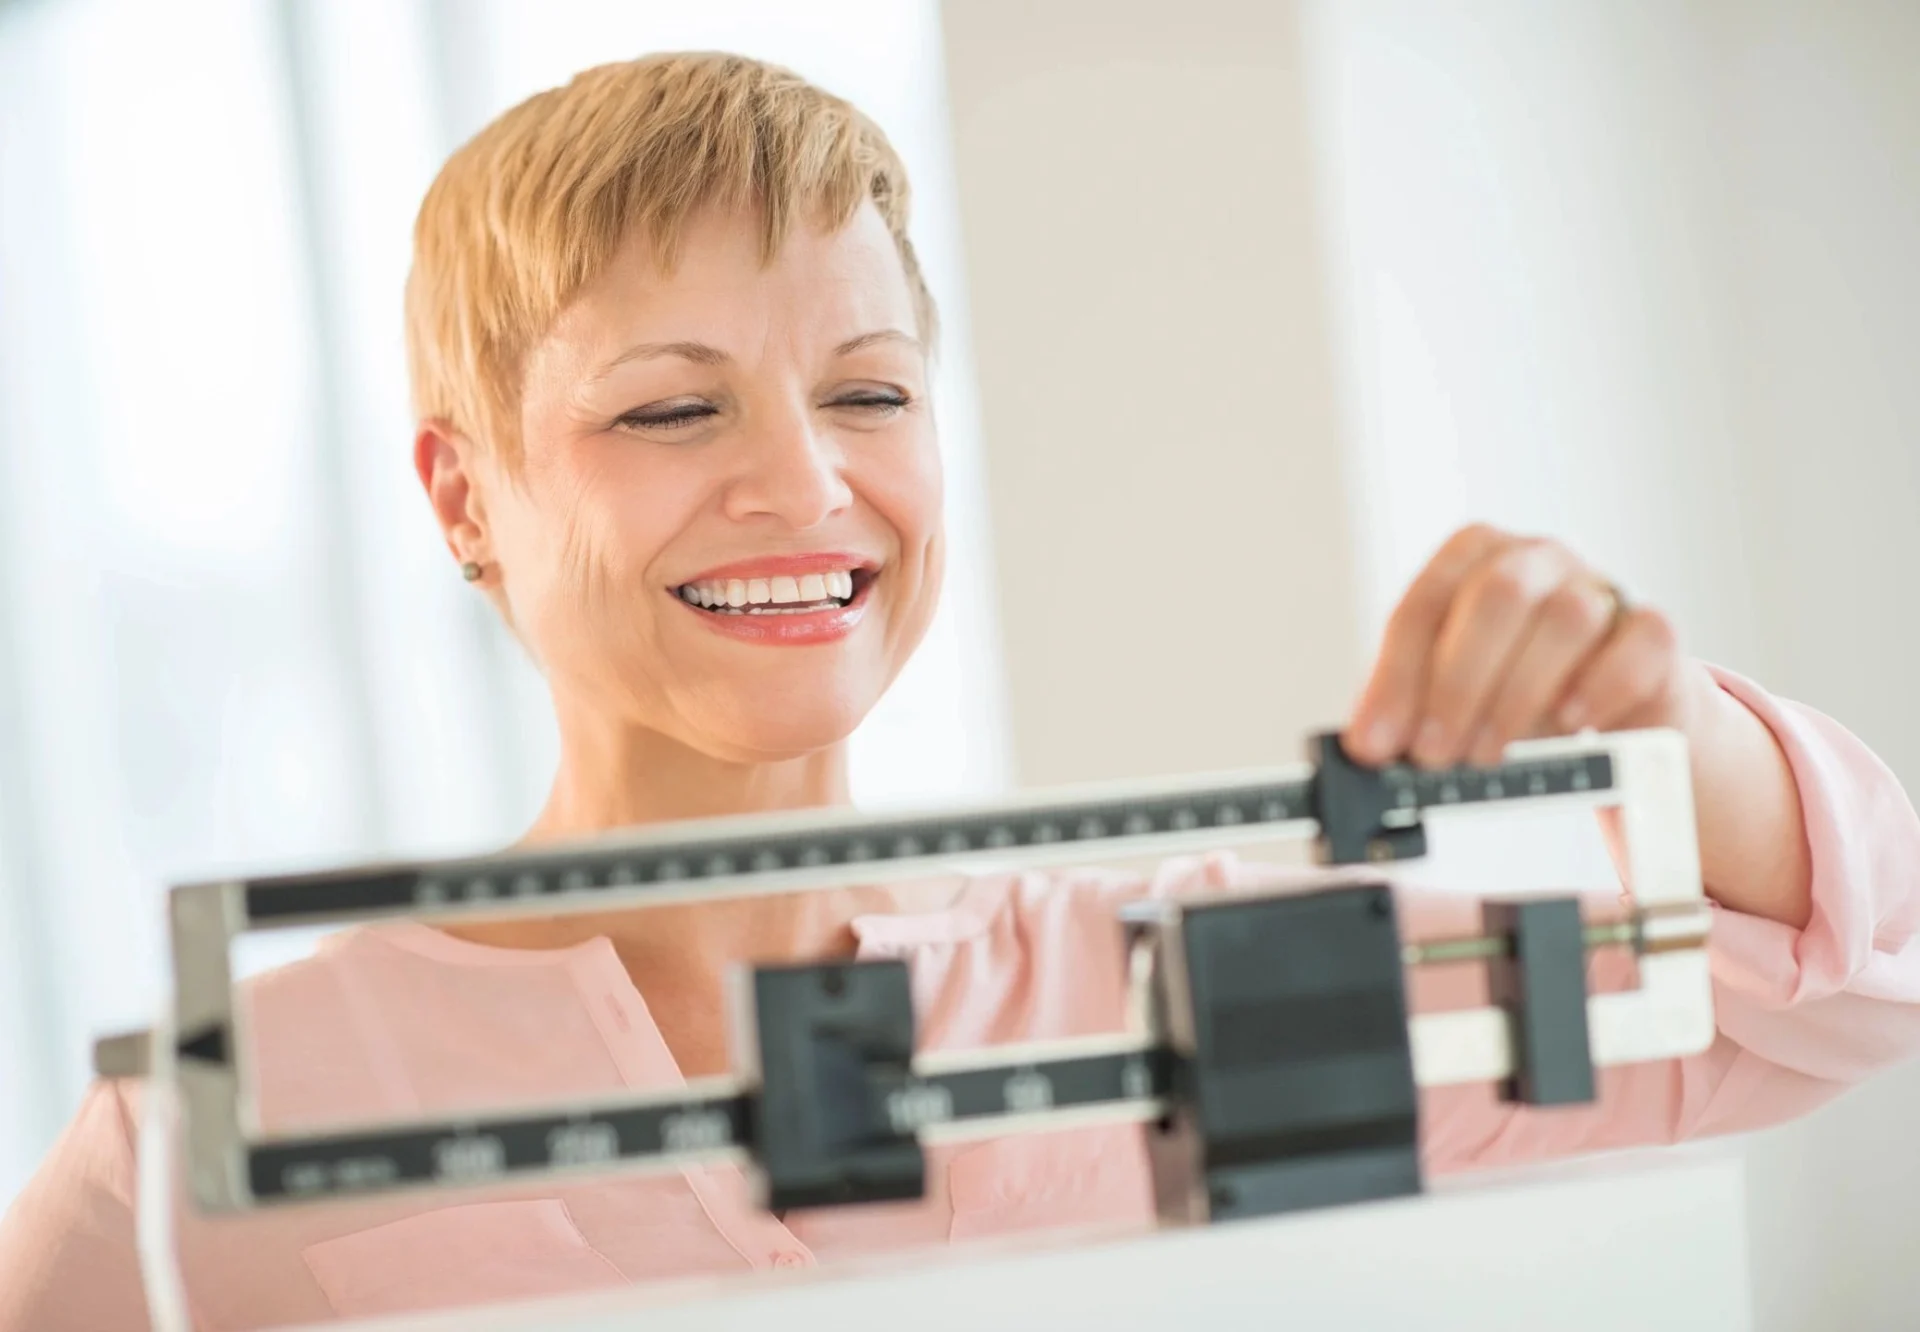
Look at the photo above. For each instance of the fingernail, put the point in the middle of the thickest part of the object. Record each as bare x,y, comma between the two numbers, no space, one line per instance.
1431,743
1573,716
1382,739
1485,749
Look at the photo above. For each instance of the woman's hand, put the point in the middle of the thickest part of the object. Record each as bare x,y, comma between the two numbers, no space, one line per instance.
1503,637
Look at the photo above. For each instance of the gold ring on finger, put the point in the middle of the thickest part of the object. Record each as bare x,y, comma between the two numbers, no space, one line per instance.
1617,599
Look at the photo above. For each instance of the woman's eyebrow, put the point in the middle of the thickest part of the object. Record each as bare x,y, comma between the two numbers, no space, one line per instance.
701,353
697,352
854,344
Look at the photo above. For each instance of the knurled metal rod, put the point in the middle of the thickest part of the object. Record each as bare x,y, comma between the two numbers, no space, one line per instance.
1485,947
125,1054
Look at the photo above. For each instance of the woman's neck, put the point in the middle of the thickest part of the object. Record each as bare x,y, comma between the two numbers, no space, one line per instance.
613,777
678,954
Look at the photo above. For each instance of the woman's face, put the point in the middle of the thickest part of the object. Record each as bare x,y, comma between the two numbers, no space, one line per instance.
728,525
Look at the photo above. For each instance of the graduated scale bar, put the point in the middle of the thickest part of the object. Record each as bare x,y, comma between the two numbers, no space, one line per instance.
948,1097
761,854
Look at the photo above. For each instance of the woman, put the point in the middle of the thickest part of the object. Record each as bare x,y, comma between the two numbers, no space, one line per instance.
669,348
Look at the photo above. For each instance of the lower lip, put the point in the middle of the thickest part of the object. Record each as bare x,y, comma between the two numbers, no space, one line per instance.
821,626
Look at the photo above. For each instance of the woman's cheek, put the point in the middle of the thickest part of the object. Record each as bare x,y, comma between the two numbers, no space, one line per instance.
903,490
585,573
905,485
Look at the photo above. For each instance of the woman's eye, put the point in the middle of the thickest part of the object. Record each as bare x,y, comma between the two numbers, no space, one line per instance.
676,417
878,402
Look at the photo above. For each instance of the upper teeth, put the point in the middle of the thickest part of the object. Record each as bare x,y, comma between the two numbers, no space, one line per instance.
770,592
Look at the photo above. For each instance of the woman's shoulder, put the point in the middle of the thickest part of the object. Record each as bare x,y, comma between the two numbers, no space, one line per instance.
67,1258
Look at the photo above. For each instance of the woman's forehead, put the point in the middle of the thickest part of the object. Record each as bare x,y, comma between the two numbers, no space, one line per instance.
820,287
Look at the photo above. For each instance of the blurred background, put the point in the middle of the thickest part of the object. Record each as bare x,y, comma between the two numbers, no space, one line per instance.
1248,304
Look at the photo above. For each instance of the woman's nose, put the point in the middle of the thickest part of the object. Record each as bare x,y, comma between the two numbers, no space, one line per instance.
793,473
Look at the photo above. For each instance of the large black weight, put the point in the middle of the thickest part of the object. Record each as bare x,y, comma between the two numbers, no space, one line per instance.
1293,1071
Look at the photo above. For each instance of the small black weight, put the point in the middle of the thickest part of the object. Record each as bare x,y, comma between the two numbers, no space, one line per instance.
834,1039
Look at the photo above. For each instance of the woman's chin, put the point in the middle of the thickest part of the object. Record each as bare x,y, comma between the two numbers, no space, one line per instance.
790,706
787,734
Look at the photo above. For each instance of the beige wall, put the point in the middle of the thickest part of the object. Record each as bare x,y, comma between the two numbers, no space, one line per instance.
1822,173
1162,454
1641,274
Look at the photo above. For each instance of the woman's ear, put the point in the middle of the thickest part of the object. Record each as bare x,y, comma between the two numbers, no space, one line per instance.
446,462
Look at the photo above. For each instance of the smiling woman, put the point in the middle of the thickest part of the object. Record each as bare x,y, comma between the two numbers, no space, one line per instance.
669,345
733,390
777,449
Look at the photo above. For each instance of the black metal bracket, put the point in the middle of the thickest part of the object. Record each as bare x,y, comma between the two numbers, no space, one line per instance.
1542,985
835,1039
1351,802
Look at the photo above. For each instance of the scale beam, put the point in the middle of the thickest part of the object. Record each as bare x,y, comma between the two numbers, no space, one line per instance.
1542,1036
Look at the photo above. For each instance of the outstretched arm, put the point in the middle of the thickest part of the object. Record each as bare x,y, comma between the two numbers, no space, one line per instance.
1808,845
1504,637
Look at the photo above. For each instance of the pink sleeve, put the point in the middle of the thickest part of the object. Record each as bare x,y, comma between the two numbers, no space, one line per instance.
1802,1014
67,1258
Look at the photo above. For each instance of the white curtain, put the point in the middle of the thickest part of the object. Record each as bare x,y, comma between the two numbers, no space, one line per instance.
229,634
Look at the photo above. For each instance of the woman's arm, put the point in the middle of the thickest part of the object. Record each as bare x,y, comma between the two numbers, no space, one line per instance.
1503,637
1753,835
1803,1012
1808,845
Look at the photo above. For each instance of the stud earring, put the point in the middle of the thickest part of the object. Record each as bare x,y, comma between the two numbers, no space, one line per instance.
470,571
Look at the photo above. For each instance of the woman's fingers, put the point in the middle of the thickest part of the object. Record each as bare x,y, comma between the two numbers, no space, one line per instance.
1632,680
1389,709
1572,624
1492,616
1502,637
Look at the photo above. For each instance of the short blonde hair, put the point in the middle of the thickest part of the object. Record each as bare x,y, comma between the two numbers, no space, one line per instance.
533,207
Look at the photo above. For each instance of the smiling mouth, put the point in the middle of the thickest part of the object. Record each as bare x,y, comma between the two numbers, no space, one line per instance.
805,594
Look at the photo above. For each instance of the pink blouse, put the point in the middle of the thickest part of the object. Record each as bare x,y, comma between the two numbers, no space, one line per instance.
400,1020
